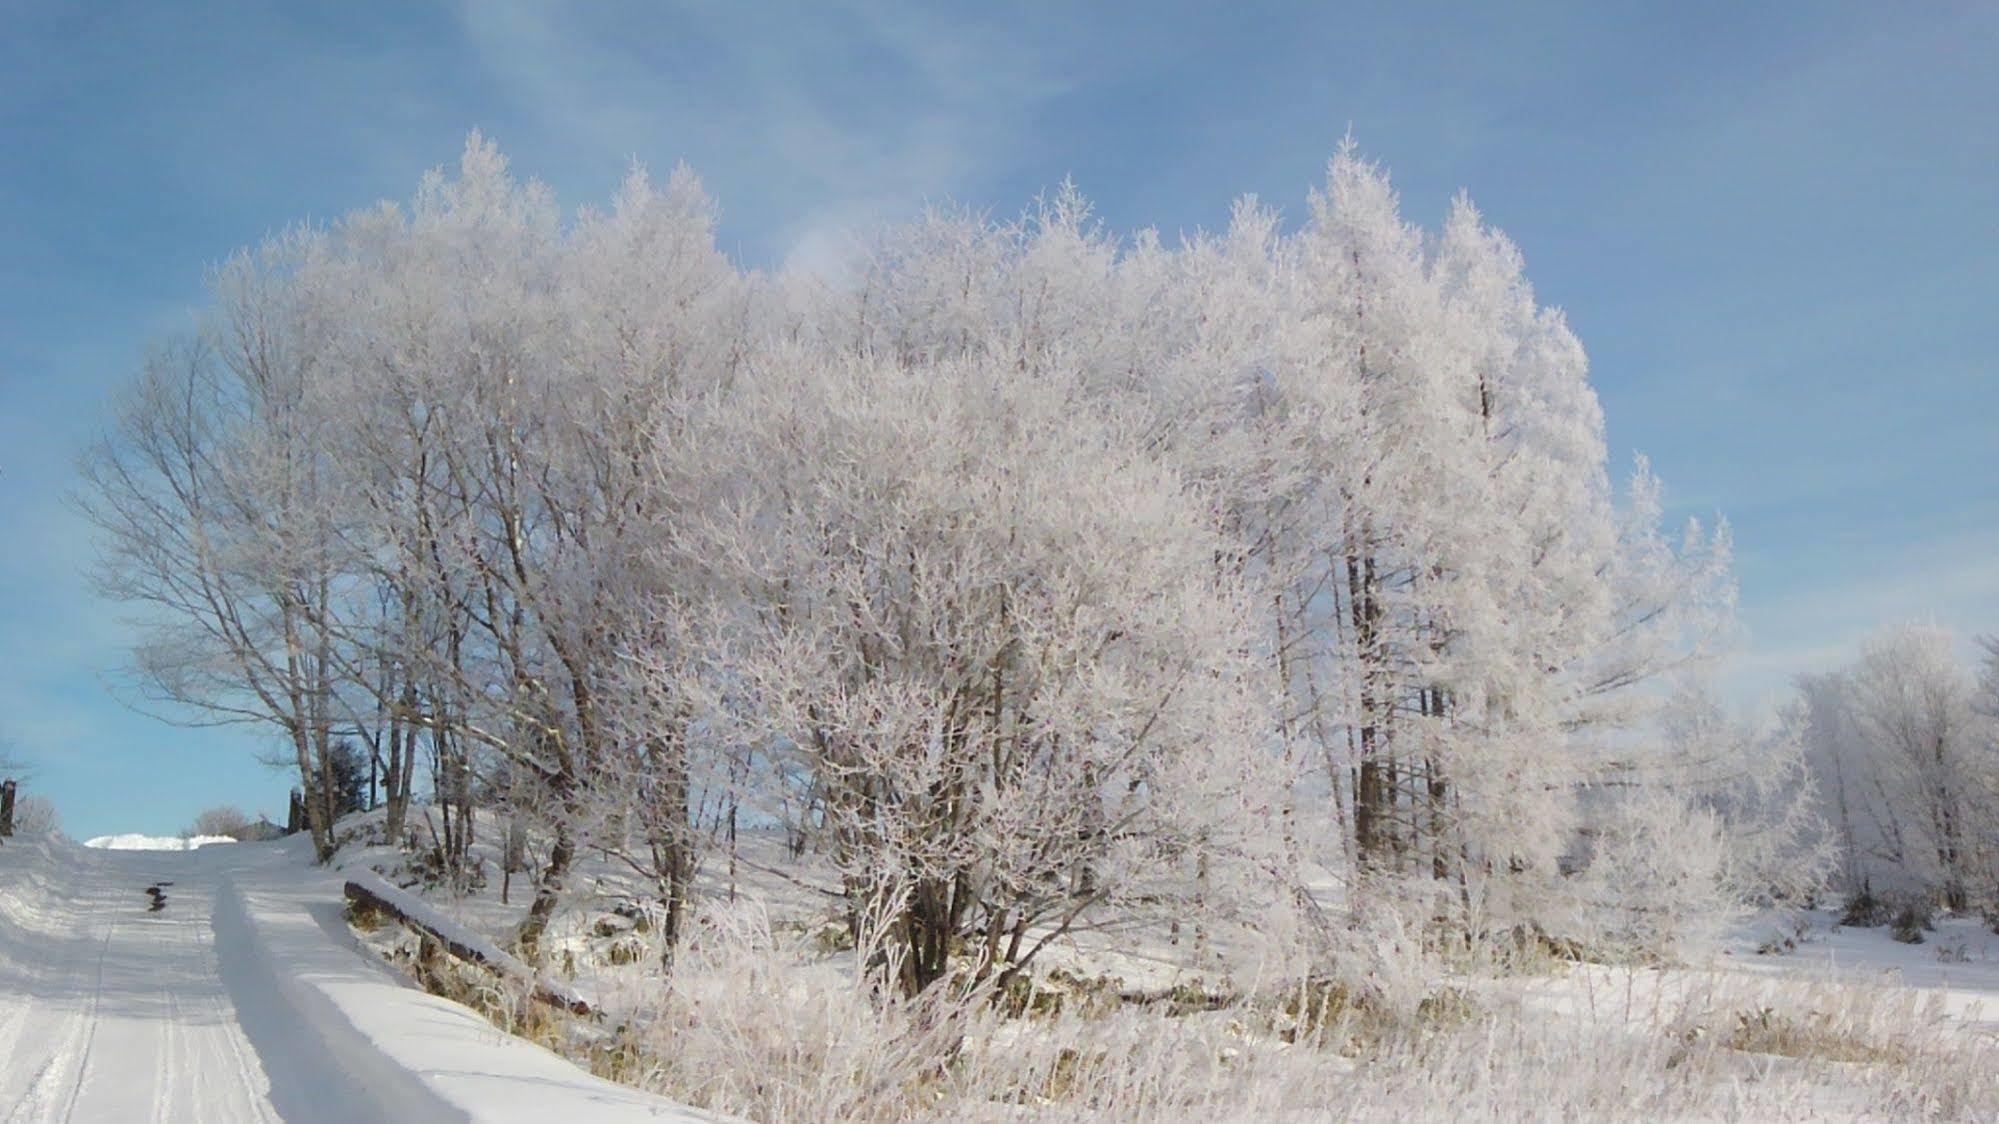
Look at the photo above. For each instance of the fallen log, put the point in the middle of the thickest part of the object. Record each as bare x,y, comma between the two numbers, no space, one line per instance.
371,892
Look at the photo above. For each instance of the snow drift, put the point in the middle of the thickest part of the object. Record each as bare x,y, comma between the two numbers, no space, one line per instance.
134,842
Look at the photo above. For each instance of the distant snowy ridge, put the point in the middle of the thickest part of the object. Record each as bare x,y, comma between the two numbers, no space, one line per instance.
154,842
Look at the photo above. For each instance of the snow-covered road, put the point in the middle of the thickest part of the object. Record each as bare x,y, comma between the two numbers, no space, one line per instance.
112,1011
242,999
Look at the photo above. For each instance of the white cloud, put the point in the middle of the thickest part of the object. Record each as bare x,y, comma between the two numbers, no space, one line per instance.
1813,627
827,151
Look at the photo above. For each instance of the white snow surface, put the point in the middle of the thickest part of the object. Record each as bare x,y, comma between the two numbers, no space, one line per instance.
154,842
246,998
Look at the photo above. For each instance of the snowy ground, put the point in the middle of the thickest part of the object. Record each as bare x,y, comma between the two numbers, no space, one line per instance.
1957,961
247,997
244,998
1844,1024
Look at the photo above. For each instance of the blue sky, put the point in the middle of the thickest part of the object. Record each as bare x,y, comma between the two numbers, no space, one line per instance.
1775,225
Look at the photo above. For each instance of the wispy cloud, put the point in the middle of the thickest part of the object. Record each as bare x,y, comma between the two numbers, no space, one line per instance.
1818,625
825,122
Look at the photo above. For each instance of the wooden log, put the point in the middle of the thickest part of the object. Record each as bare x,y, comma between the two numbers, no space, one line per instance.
379,898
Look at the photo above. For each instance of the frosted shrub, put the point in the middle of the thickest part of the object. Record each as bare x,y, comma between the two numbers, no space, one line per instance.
752,1025
35,818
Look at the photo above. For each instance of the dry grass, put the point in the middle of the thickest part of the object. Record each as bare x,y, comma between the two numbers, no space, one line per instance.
1813,1036
771,1028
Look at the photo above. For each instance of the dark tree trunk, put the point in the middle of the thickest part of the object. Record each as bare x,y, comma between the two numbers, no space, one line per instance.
1371,788
672,838
547,894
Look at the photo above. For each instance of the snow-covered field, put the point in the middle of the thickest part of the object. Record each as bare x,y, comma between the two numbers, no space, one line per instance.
243,998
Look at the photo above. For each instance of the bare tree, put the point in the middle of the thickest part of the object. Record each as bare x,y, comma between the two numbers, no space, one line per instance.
223,819
215,506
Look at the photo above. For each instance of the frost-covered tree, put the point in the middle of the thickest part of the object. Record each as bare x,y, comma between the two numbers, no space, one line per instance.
1403,444
993,635
516,384
1899,743
1755,777
1024,568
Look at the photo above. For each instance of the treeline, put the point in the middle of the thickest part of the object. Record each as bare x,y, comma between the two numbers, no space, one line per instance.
1905,745
1026,571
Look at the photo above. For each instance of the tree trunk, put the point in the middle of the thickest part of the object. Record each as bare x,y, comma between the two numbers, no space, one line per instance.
1370,787
316,820
547,894
396,776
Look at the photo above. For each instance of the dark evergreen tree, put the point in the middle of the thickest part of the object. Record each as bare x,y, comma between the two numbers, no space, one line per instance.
350,778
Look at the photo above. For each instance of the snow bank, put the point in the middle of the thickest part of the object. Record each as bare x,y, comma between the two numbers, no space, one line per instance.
423,913
306,988
29,871
155,842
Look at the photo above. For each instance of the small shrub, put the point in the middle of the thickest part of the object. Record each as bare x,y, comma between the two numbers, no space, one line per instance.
1067,1075
831,937
35,818
637,913
611,926
1190,998
1777,946
1446,1007
1315,1006
1352,1023
429,868
1060,992
1814,1036
1910,922
620,1056
1864,910
222,819
628,951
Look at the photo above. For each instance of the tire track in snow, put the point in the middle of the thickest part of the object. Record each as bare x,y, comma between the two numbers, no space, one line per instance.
222,1012
88,1026
15,1028
39,1092
35,1090
165,1079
